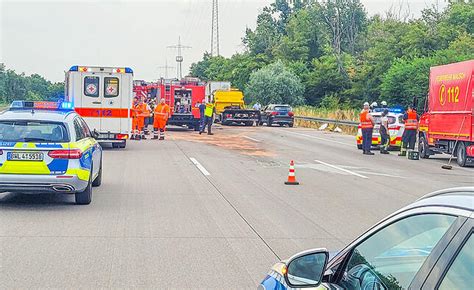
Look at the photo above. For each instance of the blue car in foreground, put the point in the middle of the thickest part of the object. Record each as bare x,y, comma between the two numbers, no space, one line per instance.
426,245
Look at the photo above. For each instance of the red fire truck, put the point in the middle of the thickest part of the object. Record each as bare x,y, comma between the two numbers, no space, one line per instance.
447,124
182,97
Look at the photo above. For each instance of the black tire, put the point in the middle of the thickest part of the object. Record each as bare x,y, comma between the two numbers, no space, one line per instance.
85,196
291,125
98,180
423,148
461,154
119,145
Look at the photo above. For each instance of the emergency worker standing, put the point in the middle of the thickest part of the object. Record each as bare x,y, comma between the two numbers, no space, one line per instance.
367,125
384,133
140,110
411,128
161,115
208,118
202,108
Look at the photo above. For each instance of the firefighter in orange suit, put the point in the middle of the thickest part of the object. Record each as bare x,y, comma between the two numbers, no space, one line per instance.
140,110
134,115
411,128
367,126
162,113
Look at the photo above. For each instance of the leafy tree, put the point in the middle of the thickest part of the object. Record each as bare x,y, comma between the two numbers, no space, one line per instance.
265,36
275,84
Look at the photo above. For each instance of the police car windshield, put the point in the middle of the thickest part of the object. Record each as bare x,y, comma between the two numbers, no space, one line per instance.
33,131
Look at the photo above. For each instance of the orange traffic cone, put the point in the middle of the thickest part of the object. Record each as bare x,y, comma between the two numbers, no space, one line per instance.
291,175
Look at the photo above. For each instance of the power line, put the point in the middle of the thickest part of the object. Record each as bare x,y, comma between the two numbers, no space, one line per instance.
179,57
165,68
215,29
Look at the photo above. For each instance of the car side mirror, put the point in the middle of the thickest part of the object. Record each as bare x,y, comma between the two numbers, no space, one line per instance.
95,134
306,269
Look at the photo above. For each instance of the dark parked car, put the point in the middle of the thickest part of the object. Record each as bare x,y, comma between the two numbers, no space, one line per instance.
277,114
426,245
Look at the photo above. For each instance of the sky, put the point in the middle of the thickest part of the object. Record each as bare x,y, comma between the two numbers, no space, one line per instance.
47,37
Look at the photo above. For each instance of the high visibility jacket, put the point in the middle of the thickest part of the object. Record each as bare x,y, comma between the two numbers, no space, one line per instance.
365,120
162,111
209,110
411,123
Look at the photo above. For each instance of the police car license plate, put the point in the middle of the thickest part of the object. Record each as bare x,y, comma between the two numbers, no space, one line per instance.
25,156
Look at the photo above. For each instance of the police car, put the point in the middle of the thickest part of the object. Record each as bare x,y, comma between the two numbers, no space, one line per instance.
396,126
45,147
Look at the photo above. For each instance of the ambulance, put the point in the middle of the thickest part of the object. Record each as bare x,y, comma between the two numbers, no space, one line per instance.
103,97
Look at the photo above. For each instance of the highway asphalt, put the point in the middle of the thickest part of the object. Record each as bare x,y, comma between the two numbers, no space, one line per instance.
199,211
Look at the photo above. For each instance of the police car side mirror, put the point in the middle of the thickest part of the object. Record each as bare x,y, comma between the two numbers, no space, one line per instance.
95,134
306,269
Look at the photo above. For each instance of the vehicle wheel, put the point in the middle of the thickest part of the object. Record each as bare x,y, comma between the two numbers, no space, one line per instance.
423,148
291,125
85,196
359,146
98,180
461,155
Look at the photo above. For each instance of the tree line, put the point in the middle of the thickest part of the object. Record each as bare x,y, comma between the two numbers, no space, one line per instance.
330,53
14,86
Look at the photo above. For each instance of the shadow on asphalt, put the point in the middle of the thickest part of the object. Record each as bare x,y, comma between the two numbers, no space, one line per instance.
35,201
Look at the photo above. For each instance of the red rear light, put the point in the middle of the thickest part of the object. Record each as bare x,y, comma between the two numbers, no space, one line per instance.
228,116
290,114
274,113
122,136
65,154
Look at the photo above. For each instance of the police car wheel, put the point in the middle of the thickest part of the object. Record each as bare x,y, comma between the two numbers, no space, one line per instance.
98,180
85,197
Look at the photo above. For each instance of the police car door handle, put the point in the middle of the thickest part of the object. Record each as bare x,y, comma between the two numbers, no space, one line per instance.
97,103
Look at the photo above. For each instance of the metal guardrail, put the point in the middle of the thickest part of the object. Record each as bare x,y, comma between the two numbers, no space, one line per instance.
332,121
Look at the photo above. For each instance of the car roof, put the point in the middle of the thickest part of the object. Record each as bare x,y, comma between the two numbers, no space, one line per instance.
280,105
458,197
40,115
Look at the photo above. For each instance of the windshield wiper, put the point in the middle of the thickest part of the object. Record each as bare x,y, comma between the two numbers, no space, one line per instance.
34,139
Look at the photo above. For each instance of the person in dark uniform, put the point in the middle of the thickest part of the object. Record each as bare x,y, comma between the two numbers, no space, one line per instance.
385,136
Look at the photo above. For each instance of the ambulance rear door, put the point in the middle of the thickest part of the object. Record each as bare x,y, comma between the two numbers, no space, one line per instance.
113,111
91,99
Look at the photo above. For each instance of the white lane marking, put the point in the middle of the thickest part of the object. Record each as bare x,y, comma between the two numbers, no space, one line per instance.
342,169
199,166
381,174
253,139
323,139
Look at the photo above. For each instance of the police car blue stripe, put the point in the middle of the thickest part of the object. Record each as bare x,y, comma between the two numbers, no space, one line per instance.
270,283
58,166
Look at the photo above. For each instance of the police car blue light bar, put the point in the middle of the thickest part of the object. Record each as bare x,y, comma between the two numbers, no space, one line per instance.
40,105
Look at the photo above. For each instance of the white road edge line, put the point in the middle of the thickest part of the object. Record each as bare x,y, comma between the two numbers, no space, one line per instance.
253,139
342,169
323,139
199,166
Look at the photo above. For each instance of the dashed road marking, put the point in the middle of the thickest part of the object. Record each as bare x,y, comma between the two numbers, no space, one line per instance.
253,139
323,139
199,166
342,169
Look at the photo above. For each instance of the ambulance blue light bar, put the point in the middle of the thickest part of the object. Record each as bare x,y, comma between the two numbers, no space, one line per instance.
41,105
126,70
